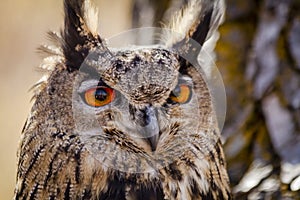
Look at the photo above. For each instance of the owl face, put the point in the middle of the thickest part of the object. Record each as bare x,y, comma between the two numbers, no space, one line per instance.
140,98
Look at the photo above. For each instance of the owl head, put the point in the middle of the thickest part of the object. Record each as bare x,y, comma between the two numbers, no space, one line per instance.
136,108
132,121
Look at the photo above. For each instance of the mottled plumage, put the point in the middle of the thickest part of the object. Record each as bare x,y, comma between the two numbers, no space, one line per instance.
143,143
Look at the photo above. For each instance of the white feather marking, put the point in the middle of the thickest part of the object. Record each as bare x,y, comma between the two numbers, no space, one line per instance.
207,56
184,190
51,50
182,21
202,167
91,17
50,62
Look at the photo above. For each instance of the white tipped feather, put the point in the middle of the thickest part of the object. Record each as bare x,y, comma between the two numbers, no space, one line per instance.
207,55
183,22
218,17
50,50
90,17
50,62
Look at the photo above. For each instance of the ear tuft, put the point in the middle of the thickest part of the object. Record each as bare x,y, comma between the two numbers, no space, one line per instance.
80,32
198,20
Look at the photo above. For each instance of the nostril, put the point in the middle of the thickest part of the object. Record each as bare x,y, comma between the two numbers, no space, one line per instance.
142,117
146,123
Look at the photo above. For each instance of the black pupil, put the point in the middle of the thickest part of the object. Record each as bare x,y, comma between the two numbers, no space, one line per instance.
101,94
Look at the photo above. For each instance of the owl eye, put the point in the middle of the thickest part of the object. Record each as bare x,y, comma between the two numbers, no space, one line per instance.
181,94
99,96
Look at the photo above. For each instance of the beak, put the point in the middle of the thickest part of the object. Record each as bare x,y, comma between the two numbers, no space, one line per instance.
148,125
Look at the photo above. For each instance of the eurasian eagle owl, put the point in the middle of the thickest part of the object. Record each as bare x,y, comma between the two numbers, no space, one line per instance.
125,123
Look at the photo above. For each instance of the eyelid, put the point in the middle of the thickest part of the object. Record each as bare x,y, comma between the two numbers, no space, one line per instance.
185,80
86,85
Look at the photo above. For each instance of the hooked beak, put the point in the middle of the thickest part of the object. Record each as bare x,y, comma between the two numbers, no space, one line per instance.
148,125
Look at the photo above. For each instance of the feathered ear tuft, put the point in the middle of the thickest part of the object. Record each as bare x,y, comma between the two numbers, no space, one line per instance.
80,32
198,20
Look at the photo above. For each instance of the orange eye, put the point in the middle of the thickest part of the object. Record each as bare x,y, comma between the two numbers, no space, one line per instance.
99,96
181,94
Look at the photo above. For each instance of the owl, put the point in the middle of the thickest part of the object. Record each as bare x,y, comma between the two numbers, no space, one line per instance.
135,122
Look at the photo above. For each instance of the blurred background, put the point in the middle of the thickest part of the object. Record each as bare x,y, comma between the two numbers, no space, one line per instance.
23,27
259,59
